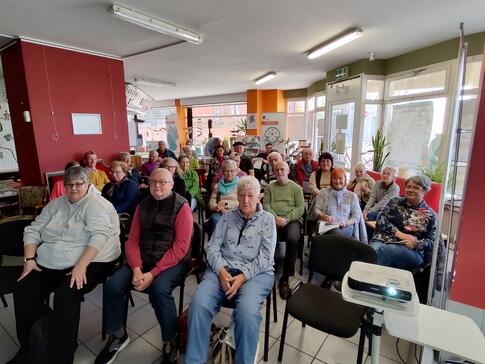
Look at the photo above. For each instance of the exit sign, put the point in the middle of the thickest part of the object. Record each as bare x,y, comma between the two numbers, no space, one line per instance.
342,72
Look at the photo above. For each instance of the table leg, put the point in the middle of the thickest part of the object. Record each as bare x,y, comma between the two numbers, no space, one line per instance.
377,321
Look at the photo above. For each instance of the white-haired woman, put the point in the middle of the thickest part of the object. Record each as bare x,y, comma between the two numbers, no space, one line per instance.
406,227
362,184
240,255
69,249
384,190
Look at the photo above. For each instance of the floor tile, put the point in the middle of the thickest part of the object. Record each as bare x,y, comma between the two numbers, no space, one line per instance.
143,320
96,296
8,348
83,355
271,342
306,339
7,318
388,347
154,336
275,327
138,351
336,350
95,344
90,325
87,308
382,360
290,355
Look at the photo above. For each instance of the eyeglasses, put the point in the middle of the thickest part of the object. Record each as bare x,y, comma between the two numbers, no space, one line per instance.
156,183
413,188
71,185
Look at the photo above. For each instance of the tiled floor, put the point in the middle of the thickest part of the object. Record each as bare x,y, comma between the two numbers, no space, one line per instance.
303,345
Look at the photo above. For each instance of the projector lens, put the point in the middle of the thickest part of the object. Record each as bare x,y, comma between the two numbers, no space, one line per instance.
391,291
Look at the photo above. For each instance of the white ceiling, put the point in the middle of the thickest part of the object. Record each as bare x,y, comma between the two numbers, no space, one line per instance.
243,39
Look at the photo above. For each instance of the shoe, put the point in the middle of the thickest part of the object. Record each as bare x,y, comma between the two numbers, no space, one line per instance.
20,358
284,289
169,357
111,349
338,286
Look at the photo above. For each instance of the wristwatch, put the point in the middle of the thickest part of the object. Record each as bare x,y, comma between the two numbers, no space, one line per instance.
26,259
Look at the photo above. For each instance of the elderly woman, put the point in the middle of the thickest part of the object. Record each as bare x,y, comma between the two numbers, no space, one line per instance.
240,255
191,180
122,192
304,168
384,190
69,249
406,227
362,184
189,152
224,195
340,207
321,178
178,183
133,172
215,167
149,166
236,158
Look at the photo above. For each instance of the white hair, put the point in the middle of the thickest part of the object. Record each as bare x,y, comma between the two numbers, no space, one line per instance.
249,182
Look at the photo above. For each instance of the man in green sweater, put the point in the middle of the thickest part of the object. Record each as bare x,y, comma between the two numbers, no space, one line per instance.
284,199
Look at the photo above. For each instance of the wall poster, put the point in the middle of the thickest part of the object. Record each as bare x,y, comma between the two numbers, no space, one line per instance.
273,130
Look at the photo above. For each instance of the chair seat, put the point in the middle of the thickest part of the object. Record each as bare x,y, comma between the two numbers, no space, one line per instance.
325,310
9,276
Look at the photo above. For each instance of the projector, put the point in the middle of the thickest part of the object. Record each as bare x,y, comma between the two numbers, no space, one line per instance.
385,284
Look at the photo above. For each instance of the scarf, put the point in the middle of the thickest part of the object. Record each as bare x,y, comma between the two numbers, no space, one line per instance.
338,196
226,188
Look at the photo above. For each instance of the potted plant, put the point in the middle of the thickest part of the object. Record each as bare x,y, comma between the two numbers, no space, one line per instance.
434,173
379,143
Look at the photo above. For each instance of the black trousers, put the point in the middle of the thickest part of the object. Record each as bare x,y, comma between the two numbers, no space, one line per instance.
31,297
290,234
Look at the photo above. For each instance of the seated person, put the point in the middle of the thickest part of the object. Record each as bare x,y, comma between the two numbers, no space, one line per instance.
304,168
133,172
246,164
236,158
178,183
156,254
191,180
284,200
69,249
215,166
190,144
384,190
164,152
240,256
97,177
227,147
193,162
269,175
406,227
122,192
58,188
224,195
268,148
151,164
212,143
321,178
339,206
362,184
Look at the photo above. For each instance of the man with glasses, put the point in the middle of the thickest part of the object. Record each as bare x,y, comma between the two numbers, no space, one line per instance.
156,253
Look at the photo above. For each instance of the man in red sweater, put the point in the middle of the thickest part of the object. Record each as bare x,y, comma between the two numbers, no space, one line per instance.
156,253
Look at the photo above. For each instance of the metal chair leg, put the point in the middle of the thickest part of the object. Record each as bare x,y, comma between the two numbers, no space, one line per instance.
132,302
283,336
4,301
181,298
266,327
275,311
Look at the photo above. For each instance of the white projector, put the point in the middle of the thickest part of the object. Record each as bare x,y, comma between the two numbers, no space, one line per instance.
385,286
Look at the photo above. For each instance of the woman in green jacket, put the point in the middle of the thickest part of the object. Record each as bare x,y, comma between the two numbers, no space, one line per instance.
191,179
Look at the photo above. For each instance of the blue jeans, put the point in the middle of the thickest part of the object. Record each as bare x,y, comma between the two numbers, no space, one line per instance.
372,216
193,203
115,295
247,316
396,255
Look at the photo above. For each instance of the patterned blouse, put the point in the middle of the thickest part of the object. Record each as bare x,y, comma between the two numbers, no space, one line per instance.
418,221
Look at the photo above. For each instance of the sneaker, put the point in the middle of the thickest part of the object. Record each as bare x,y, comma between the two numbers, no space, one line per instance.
169,357
111,349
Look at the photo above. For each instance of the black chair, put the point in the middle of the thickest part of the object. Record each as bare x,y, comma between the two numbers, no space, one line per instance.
12,244
324,309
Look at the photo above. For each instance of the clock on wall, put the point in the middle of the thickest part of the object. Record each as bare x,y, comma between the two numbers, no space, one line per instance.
272,135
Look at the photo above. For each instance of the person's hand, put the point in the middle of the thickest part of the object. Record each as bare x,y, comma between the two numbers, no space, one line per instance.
137,276
364,188
326,218
235,283
144,281
29,266
224,277
343,224
410,241
78,276
281,221
364,213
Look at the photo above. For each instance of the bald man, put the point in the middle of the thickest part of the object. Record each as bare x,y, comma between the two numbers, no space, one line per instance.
284,200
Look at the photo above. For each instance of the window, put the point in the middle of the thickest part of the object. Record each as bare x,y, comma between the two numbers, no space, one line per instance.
154,128
296,119
372,116
426,83
295,106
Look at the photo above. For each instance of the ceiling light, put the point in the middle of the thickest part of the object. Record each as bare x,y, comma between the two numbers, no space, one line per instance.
335,42
142,81
155,24
266,77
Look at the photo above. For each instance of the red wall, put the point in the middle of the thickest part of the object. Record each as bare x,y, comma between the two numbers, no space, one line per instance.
468,286
78,83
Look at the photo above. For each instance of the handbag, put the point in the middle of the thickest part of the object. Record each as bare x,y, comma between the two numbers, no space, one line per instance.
222,345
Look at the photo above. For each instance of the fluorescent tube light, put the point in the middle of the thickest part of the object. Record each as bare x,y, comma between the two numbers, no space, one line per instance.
142,81
266,77
335,42
158,25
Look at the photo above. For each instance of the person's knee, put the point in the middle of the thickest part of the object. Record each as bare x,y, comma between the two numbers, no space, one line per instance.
247,312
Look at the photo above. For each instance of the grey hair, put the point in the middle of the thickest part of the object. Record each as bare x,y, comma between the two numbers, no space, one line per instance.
124,155
152,152
75,172
393,171
274,154
249,182
229,163
360,165
169,161
422,181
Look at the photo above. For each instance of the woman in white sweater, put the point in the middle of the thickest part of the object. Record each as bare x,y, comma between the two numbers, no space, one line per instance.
69,249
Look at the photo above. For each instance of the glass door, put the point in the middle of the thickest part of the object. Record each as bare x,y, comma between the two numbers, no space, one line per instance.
342,118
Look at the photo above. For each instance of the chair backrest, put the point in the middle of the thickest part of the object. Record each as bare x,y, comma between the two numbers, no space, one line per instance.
332,255
196,243
12,235
32,196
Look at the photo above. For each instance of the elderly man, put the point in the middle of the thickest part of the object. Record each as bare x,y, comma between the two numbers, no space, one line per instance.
284,200
156,253
97,177
212,144
246,165
269,176
163,151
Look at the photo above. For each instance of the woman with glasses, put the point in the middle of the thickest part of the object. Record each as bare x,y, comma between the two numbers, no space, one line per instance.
406,228
224,194
69,249
122,192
